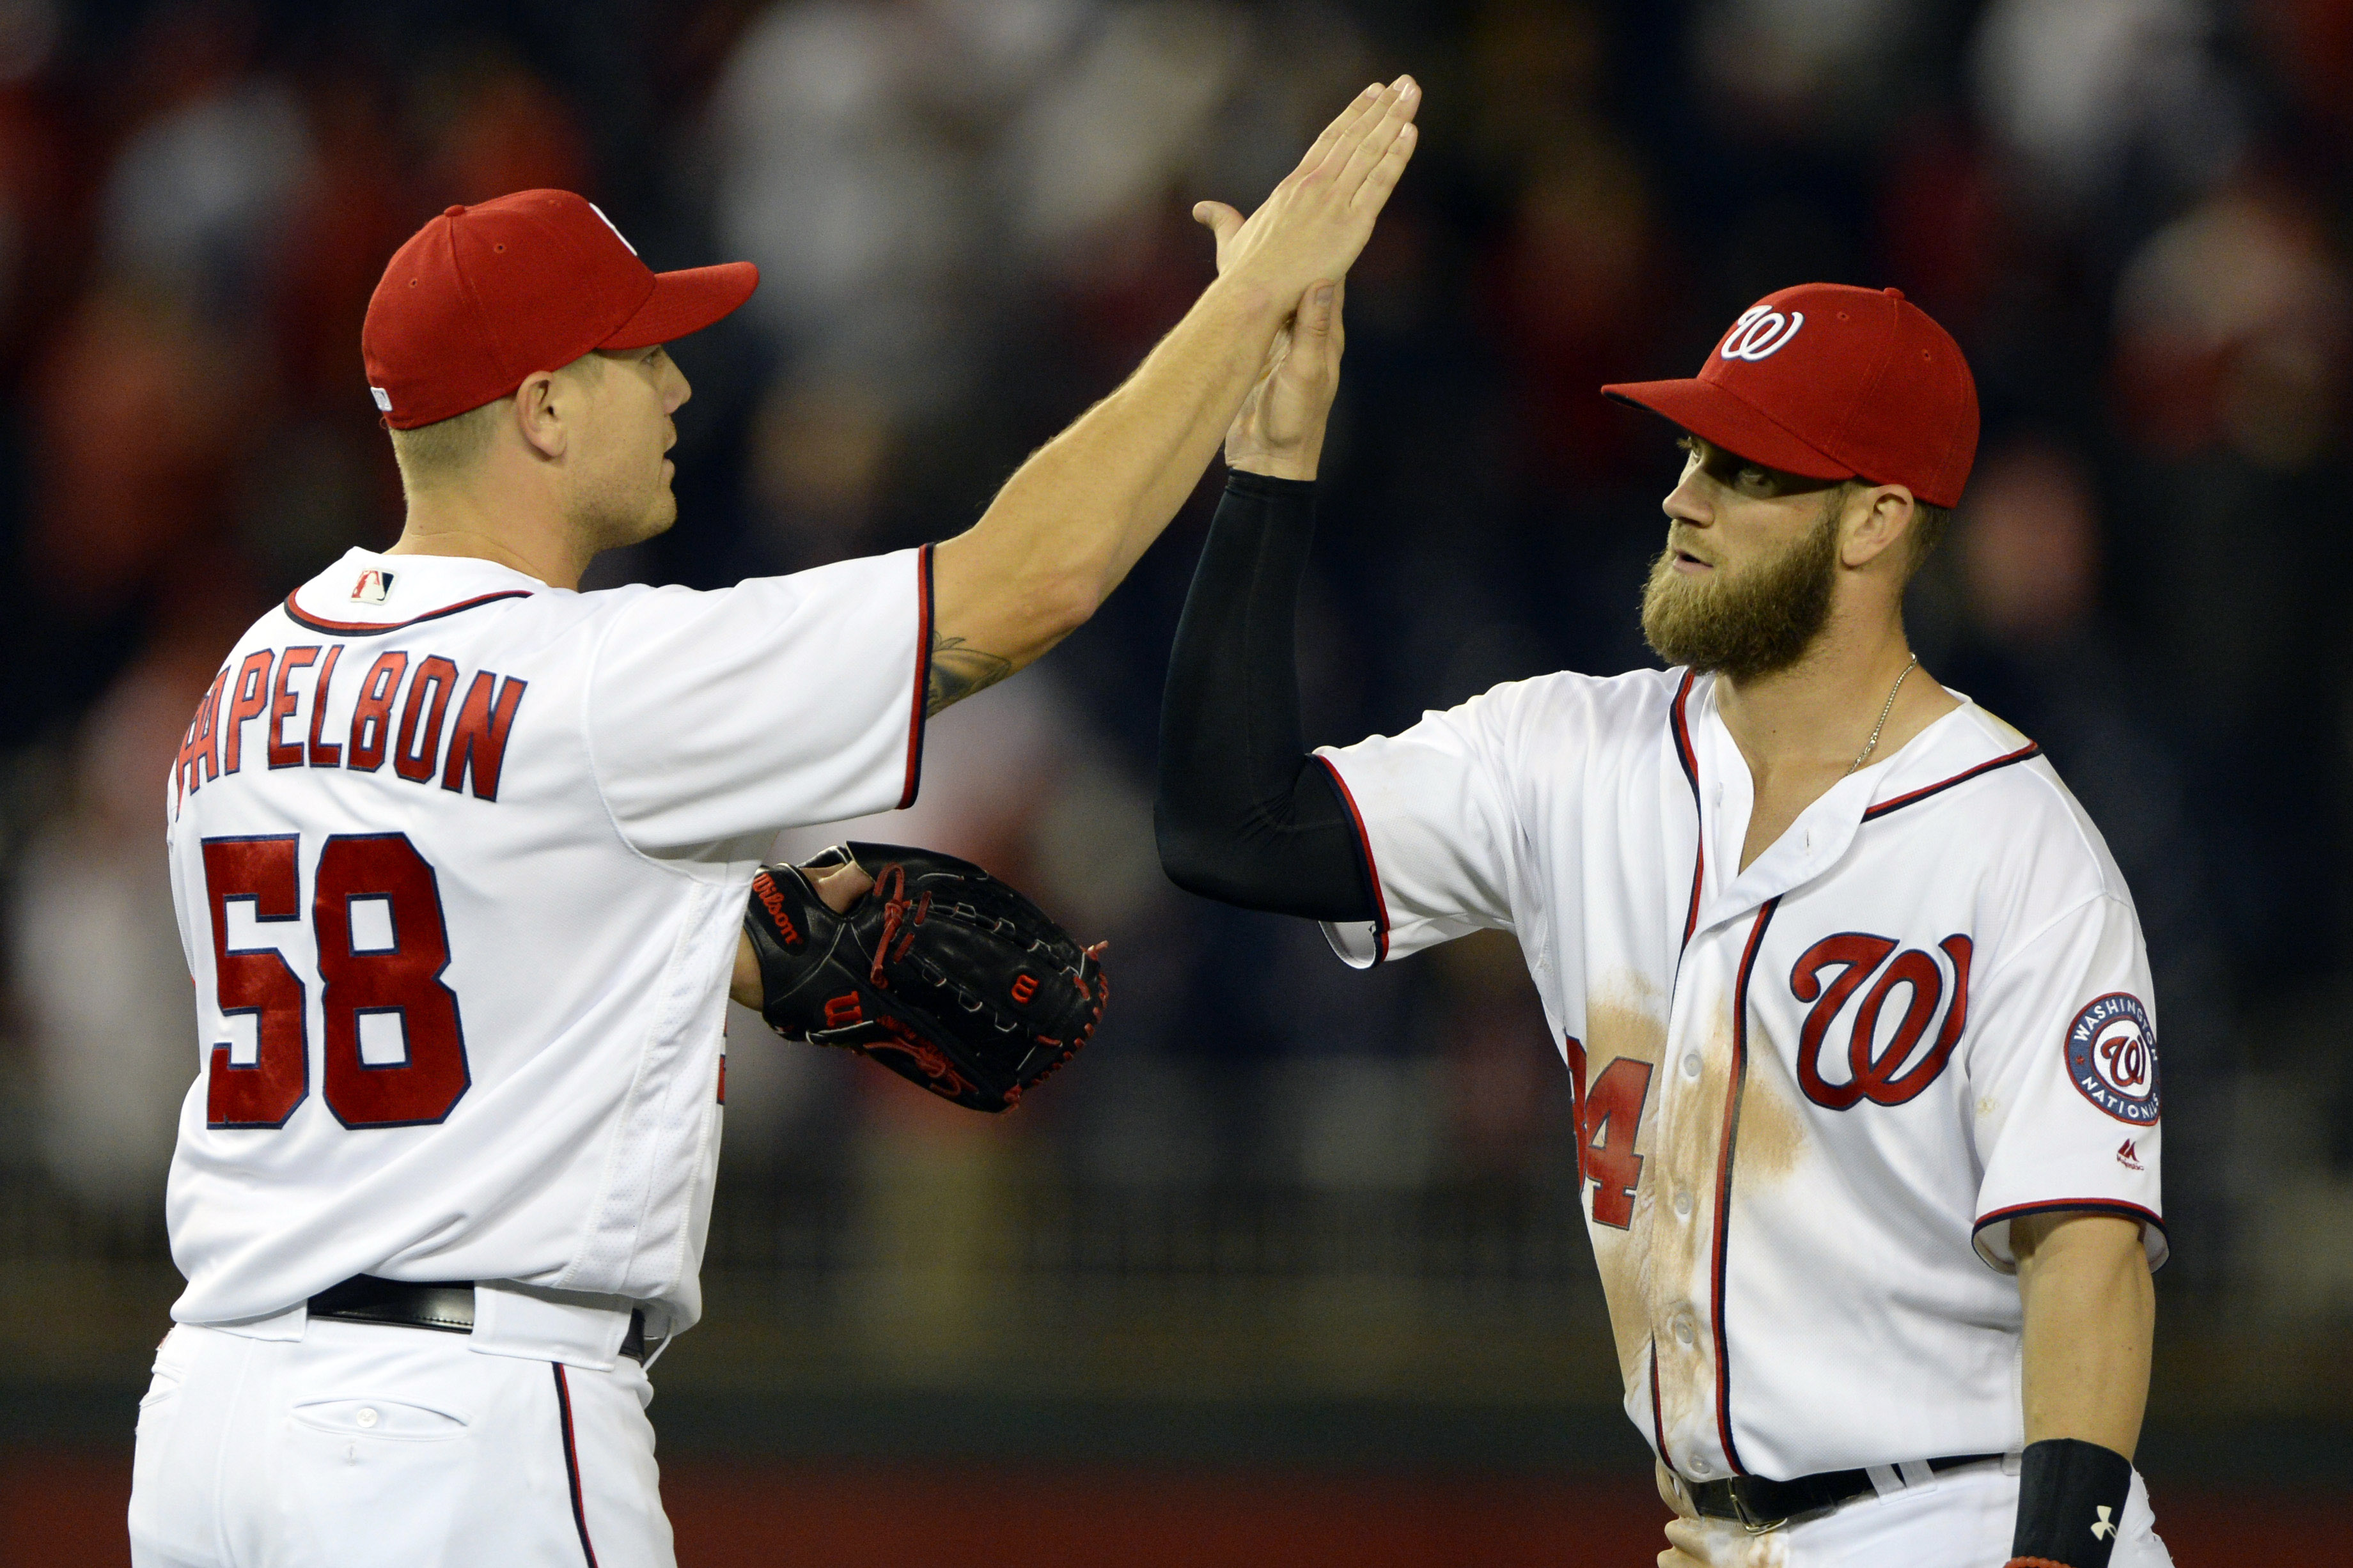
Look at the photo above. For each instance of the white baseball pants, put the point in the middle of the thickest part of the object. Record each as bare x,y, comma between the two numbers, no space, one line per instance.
361,1445
1962,1520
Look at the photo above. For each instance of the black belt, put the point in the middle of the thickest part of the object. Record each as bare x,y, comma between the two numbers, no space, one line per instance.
448,1307
1763,1505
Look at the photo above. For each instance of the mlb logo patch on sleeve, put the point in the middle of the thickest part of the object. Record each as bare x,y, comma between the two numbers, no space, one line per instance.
2112,1057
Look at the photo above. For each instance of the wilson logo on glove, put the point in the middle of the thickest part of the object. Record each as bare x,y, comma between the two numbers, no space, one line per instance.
764,888
913,974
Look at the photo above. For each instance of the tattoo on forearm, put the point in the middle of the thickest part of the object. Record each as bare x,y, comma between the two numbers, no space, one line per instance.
958,672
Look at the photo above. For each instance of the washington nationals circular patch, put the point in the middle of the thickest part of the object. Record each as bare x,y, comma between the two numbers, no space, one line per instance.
2112,1057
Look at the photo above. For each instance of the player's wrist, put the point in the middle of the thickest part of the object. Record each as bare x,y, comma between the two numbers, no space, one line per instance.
1245,301
1269,487
1249,449
2070,1503
1292,463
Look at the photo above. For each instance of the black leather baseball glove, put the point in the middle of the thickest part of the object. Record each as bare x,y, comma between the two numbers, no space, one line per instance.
942,973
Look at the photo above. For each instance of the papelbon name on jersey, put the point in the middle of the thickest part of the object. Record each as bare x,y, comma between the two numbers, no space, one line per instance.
412,730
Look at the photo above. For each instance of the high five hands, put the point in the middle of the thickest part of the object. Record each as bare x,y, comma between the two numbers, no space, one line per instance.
1279,431
1299,245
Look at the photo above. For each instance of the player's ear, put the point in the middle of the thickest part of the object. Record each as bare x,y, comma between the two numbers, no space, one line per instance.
538,416
1877,519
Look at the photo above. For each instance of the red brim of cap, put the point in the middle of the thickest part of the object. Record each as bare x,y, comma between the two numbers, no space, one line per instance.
685,301
1715,415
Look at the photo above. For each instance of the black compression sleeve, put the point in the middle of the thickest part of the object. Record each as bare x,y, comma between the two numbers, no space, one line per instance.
1245,814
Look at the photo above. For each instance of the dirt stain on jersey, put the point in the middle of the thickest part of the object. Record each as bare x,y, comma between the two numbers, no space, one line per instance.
1652,1275
1649,1273
1625,1016
1673,1276
1772,1120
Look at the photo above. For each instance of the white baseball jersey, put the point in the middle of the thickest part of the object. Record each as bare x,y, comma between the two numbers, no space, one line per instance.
459,860
1809,1095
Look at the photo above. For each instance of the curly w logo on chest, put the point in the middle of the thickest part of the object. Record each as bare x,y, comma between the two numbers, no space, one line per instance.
1895,1069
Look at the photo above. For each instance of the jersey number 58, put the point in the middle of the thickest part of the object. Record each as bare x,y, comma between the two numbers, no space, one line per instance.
395,1052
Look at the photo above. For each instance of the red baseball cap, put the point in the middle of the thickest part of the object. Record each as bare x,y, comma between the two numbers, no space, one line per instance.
484,295
1834,383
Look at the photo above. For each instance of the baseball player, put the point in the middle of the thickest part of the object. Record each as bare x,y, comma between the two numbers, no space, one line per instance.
1851,996
461,857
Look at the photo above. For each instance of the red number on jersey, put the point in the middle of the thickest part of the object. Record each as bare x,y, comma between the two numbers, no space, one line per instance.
382,942
420,1071
256,982
1609,1117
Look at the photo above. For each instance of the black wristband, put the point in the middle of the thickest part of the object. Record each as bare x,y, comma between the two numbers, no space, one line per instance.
2070,1502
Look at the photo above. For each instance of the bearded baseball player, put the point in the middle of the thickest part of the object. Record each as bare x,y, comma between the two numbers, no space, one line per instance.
1851,996
462,857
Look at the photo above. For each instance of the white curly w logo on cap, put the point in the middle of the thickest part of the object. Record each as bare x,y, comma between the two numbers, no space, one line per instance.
1761,334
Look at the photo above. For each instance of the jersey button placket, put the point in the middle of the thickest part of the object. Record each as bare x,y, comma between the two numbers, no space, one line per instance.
1683,1360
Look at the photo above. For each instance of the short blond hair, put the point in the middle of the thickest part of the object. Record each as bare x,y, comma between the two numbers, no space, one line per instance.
448,446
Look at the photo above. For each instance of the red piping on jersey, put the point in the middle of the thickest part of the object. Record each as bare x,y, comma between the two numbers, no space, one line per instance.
922,678
1658,1417
2055,1206
1690,760
572,1462
1724,1178
1372,871
376,629
2028,750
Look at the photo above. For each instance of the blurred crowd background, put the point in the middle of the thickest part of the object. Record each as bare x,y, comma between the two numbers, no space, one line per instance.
1270,1175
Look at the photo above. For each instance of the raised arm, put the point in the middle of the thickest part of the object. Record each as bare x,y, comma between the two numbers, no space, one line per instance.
1066,528
1244,813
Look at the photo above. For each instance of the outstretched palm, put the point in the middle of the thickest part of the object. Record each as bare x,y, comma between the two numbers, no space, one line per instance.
1300,244
1312,227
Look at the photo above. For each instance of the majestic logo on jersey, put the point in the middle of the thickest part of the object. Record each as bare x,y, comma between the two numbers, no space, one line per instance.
1896,1070
1761,334
2112,1057
2127,1156
2104,1527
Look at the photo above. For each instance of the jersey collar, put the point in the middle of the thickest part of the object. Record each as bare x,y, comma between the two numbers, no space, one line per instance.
367,593
1959,746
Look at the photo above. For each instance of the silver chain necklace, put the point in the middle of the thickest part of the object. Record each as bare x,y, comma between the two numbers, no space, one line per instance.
1889,707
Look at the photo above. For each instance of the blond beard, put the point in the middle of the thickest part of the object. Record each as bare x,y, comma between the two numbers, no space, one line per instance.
1756,623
